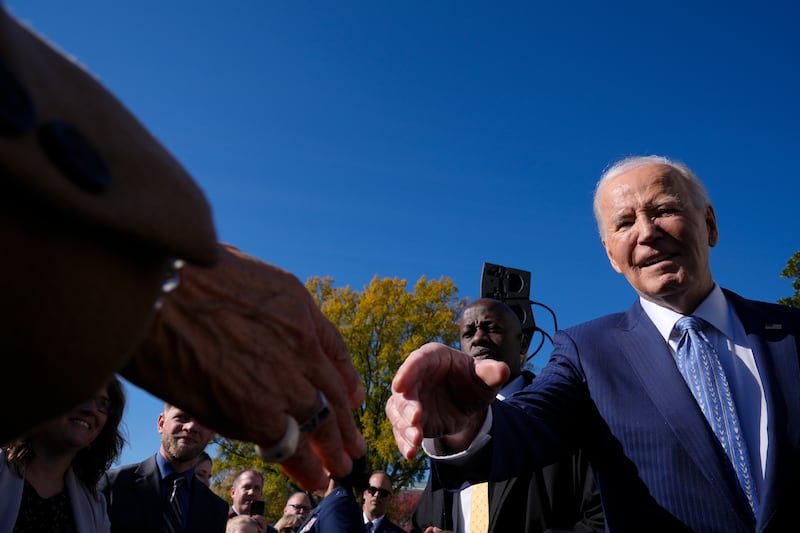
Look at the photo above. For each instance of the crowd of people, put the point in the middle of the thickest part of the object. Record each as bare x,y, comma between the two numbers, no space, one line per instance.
680,414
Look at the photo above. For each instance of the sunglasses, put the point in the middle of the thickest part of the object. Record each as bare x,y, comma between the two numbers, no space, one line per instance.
382,493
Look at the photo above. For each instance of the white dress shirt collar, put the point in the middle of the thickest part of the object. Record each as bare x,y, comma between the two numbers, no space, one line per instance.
714,310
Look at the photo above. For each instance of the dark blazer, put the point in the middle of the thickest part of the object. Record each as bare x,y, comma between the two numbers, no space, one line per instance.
133,495
612,388
386,526
338,512
559,497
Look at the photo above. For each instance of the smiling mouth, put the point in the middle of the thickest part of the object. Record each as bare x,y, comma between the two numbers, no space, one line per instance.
655,260
82,423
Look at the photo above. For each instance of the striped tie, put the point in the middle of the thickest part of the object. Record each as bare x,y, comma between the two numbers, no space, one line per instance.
698,362
173,515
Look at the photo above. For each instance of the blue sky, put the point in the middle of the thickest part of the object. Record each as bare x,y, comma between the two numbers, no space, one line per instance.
408,138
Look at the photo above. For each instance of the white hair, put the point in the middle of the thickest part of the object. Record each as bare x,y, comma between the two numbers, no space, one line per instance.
699,195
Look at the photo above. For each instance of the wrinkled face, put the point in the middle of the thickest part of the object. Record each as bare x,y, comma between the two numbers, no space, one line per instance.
657,237
248,487
78,428
298,503
203,472
377,496
182,438
490,330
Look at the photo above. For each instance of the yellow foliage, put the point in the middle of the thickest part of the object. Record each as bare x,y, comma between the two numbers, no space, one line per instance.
381,325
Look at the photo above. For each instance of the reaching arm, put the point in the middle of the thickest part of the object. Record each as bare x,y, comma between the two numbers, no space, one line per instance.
441,393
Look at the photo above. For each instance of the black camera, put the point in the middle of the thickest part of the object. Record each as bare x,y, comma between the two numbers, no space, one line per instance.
257,507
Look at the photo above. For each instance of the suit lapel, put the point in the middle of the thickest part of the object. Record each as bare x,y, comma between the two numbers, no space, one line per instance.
147,489
498,492
199,508
651,360
775,353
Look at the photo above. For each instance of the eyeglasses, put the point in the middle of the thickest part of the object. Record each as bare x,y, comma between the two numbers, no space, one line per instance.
299,507
101,403
382,493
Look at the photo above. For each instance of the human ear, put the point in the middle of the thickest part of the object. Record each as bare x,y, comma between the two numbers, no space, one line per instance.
611,260
711,225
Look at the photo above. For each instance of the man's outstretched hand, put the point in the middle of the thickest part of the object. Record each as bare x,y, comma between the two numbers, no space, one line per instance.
439,392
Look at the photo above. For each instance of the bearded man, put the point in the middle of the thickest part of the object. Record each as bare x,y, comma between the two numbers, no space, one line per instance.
161,494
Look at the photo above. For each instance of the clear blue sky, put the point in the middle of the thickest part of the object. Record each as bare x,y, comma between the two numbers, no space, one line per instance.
410,138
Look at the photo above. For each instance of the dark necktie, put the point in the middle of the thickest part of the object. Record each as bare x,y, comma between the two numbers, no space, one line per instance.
698,361
369,527
173,515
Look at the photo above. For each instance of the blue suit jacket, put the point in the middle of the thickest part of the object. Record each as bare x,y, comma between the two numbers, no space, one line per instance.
338,512
387,526
612,389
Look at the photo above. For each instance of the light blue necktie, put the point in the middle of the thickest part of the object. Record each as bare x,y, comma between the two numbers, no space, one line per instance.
698,361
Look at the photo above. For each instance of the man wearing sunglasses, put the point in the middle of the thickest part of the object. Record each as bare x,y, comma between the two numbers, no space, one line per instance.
377,497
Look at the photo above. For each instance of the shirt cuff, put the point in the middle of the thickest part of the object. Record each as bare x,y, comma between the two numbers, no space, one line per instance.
429,445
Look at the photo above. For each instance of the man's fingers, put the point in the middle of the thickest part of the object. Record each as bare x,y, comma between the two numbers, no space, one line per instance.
493,373
305,468
406,446
424,362
334,348
326,441
338,440
403,417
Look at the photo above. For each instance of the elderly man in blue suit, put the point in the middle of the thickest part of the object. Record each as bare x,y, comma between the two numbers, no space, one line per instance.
670,453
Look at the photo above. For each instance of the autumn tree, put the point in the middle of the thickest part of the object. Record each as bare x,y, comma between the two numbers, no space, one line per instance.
233,457
381,325
792,271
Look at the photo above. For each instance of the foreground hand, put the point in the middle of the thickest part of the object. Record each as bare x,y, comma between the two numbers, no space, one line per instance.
441,392
262,523
242,346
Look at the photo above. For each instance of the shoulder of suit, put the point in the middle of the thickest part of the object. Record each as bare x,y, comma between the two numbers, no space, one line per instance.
393,527
121,471
602,322
219,502
765,307
142,468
